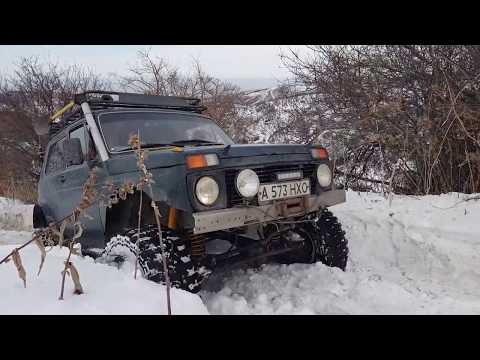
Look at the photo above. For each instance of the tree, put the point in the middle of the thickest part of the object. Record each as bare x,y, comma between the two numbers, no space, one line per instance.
32,93
406,114
153,75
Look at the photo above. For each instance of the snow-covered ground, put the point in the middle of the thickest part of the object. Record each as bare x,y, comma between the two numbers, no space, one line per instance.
14,215
417,256
413,256
108,290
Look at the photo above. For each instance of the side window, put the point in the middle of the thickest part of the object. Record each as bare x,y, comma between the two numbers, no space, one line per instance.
88,147
81,134
55,160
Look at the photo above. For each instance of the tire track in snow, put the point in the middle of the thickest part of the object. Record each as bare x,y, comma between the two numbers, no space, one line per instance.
399,264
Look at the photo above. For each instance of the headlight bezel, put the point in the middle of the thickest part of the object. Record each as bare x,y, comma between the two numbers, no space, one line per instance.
219,176
318,175
257,182
216,187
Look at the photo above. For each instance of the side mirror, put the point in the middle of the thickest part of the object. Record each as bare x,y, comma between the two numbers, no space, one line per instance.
72,152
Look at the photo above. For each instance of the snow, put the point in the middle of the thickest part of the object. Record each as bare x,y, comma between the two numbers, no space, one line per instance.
417,256
108,290
410,255
14,215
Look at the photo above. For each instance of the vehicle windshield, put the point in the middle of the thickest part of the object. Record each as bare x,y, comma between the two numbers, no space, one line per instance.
159,129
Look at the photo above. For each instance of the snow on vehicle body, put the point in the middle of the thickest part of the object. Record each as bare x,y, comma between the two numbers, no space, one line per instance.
221,203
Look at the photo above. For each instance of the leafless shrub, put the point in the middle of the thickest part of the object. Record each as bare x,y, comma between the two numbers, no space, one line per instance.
146,179
153,75
27,98
410,110
22,274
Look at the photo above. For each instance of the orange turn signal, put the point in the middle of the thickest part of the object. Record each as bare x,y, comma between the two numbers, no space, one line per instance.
201,161
320,153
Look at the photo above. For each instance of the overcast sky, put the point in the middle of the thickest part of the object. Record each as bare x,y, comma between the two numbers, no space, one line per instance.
241,63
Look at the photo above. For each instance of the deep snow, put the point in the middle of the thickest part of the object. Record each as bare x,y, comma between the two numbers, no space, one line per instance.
108,290
417,256
413,256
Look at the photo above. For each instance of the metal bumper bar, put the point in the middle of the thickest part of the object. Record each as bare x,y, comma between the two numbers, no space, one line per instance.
215,220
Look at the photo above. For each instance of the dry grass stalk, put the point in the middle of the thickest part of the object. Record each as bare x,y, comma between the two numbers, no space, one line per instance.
138,232
18,264
59,231
68,264
43,254
73,272
147,179
39,235
89,197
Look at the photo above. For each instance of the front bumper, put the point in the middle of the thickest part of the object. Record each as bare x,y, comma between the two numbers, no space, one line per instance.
215,220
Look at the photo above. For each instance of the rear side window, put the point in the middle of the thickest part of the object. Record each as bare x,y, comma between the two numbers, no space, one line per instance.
88,147
81,134
55,160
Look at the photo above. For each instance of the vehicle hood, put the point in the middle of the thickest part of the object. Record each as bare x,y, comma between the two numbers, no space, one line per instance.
249,150
233,155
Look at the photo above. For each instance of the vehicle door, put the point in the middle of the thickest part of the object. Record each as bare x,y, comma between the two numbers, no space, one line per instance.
50,180
71,184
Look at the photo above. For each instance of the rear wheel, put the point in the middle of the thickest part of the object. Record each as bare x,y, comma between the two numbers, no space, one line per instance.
323,240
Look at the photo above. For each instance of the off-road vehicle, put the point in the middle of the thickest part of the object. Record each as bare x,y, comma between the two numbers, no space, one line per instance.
221,203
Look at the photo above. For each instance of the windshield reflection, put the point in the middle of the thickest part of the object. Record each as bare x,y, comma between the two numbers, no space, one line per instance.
160,129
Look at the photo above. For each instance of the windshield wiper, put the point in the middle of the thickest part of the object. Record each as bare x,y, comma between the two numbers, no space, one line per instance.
195,142
149,145
180,143
121,148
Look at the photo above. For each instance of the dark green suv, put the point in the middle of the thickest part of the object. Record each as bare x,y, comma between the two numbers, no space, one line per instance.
221,204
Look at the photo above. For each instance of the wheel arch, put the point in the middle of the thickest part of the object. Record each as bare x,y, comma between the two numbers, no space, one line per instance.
39,219
124,214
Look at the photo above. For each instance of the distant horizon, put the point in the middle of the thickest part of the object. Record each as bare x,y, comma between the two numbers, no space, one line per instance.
253,83
247,66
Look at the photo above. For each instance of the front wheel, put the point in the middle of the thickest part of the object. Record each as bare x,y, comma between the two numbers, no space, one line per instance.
323,240
185,272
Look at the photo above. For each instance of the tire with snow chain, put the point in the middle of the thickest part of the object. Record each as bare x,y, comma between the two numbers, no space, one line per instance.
324,241
185,272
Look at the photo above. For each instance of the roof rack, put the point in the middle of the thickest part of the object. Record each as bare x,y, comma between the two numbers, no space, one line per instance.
98,99
102,99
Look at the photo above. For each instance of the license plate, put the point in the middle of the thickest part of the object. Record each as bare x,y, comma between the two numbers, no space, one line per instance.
283,190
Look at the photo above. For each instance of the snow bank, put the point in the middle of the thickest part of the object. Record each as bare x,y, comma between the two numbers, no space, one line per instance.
8,237
108,290
15,215
417,256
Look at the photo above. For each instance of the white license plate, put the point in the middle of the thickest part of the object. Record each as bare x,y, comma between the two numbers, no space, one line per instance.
283,190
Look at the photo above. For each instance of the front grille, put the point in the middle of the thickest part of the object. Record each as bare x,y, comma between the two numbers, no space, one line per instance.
266,175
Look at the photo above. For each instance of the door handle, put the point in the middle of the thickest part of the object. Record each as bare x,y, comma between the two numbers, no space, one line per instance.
62,178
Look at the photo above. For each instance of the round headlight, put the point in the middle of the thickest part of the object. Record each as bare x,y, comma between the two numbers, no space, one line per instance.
324,175
207,190
247,183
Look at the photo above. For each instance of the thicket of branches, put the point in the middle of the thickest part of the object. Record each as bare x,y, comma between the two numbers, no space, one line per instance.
154,75
32,93
407,116
395,118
